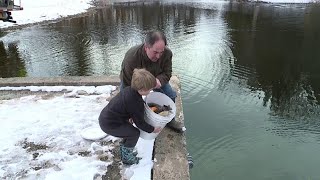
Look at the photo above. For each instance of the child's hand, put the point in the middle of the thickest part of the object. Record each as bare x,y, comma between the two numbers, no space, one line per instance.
157,129
131,120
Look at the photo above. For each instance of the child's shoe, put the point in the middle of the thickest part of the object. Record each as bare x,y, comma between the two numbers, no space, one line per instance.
127,156
135,153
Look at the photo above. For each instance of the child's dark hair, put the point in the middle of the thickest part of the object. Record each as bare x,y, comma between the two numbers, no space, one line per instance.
142,80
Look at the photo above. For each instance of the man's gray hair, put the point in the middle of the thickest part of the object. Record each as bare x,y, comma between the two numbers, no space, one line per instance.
153,37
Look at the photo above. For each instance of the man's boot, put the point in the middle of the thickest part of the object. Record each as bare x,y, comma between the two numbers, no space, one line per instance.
176,126
127,156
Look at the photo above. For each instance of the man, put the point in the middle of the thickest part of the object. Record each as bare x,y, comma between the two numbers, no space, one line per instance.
154,56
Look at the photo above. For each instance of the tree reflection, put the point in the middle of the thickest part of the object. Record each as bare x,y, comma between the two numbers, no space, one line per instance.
110,31
282,53
311,55
11,64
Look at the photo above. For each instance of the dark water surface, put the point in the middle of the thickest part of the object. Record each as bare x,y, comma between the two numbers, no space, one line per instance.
250,76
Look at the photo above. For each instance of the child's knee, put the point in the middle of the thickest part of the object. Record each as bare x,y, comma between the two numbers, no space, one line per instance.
137,133
134,133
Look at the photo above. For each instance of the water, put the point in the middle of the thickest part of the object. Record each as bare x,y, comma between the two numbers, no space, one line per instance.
250,76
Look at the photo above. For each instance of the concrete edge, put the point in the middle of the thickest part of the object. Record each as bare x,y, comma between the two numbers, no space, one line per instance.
60,81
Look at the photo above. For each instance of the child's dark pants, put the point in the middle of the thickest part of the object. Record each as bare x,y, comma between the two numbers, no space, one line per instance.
126,131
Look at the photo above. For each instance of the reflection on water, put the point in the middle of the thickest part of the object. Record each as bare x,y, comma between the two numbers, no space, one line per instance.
282,56
267,111
96,44
250,76
11,64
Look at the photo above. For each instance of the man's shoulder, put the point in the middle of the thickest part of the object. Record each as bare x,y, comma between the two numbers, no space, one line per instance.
134,50
168,54
168,51
132,54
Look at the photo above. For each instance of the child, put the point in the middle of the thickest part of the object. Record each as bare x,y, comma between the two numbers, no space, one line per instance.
127,106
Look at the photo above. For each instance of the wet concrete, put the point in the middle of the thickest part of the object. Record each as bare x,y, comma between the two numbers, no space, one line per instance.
170,152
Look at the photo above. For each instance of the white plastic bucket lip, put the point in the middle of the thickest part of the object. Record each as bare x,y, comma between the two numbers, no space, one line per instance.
161,122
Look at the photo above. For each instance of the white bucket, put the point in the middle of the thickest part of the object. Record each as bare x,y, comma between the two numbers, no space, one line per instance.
155,119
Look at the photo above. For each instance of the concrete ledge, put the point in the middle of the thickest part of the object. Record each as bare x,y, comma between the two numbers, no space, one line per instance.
60,81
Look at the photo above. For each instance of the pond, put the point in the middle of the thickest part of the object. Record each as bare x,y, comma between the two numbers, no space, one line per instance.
249,72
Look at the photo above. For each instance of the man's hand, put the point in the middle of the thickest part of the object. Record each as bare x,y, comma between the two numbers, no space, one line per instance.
158,84
157,129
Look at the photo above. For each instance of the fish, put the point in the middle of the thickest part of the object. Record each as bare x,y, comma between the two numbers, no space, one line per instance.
156,108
